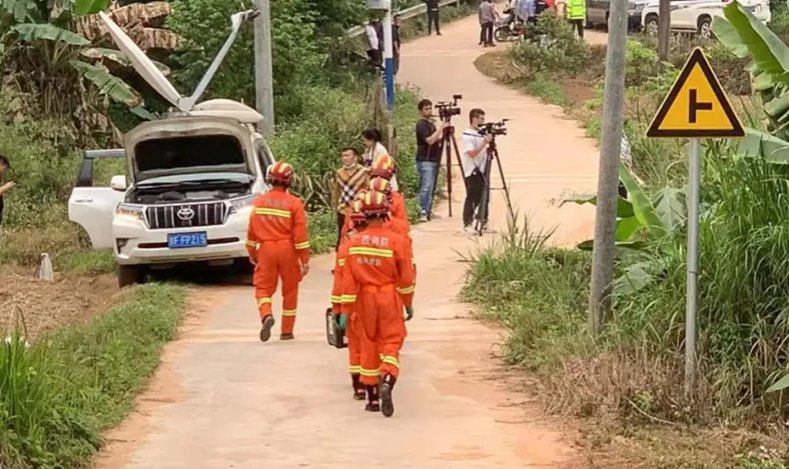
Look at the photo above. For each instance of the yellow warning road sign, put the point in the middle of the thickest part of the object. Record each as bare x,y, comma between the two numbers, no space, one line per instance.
696,106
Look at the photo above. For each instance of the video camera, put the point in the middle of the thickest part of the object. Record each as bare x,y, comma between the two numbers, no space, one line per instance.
448,109
494,128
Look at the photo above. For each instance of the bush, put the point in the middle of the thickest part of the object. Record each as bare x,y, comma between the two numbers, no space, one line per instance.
57,396
641,63
553,47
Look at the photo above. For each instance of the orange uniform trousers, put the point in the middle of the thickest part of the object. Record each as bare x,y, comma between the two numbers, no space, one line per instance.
379,326
278,259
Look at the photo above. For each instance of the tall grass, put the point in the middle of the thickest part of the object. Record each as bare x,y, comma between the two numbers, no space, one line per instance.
58,395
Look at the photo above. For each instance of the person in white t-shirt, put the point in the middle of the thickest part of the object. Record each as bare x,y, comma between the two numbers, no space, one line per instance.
474,160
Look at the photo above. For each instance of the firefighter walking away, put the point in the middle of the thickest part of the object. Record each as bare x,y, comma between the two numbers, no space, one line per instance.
378,282
279,248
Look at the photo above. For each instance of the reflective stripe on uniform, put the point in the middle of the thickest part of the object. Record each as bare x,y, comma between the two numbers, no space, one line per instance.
372,252
348,299
406,290
272,211
288,312
252,244
355,369
341,262
303,245
336,299
390,360
366,372
263,301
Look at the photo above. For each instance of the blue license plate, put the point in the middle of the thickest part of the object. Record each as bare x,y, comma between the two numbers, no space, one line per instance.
187,240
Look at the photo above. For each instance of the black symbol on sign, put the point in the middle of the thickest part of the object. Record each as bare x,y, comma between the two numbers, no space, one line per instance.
696,106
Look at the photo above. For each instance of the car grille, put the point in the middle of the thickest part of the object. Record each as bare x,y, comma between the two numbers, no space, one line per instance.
186,215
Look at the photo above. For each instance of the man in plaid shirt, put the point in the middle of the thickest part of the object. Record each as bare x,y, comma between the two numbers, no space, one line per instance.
350,179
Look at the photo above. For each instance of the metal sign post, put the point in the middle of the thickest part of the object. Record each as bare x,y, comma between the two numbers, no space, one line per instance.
695,107
694,183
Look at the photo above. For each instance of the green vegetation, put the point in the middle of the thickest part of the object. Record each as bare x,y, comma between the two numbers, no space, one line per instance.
634,371
58,395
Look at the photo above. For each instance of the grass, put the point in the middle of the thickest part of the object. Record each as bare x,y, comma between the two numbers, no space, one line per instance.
58,395
548,90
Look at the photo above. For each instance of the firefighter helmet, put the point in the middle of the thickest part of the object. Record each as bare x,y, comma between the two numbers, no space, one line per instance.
375,203
383,166
380,184
280,173
357,215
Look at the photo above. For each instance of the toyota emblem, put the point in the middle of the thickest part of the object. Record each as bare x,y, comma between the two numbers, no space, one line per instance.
185,214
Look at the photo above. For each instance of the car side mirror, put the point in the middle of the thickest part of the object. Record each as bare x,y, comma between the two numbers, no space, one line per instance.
118,183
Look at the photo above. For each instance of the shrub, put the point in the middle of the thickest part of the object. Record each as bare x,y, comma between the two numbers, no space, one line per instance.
641,63
553,47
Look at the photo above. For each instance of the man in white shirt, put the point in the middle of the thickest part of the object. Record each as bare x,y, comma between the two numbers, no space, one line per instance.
373,49
474,160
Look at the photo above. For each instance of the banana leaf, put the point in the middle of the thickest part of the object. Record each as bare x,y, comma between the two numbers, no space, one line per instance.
108,84
642,206
624,208
762,144
727,35
768,51
30,32
89,7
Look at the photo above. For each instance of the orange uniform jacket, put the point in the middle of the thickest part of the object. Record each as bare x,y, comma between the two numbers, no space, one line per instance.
278,216
398,206
378,257
339,271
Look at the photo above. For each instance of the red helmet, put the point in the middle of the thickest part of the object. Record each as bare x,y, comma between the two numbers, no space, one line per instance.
375,203
380,184
357,216
280,173
383,166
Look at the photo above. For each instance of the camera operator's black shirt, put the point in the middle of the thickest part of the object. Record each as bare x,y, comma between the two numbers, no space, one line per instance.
425,151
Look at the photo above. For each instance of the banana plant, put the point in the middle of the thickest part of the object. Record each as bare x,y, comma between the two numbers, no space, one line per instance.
40,27
659,218
742,33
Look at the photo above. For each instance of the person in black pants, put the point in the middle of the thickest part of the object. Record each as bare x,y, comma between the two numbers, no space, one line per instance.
474,160
487,17
432,17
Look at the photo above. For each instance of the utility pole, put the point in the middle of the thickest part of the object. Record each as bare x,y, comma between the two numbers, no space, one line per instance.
664,29
388,56
607,195
264,82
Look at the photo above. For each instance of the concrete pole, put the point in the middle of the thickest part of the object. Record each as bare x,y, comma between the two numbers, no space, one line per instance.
608,179
694,182
264,81
664,29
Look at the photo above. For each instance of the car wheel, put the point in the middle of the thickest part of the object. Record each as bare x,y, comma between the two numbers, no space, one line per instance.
705,27
651,25
130,275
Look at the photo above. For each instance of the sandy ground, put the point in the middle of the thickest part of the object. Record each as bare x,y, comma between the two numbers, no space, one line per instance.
222,399
34,307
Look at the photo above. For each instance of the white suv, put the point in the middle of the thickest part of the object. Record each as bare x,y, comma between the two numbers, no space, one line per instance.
191,180
697,15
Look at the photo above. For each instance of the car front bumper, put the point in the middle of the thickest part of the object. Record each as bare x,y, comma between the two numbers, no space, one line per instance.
136,244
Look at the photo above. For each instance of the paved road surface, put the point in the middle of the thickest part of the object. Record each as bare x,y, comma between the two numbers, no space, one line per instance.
222,399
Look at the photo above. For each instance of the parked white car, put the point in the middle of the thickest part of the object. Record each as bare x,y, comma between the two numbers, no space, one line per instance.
696,15
191,180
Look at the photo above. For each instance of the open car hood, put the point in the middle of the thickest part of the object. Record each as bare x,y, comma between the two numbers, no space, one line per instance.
180,140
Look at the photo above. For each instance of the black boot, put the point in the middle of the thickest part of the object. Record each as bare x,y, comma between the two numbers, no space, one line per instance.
387,386
359,392
373,404
265,330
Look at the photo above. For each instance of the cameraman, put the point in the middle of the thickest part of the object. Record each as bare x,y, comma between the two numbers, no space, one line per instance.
474,160
428,156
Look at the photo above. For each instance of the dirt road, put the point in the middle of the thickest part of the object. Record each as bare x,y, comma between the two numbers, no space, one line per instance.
223,399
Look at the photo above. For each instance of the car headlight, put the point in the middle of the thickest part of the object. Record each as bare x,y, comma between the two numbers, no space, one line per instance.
129,210
242,202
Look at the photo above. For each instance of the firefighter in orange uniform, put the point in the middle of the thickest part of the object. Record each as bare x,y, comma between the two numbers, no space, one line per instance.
278,246
379,281
340,306
384,167
398,225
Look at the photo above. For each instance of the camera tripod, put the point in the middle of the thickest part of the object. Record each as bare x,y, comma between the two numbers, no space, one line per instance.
482,210
448,143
